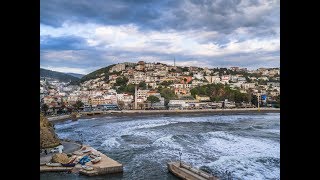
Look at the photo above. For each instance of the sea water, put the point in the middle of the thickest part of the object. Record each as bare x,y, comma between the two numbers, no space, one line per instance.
246,145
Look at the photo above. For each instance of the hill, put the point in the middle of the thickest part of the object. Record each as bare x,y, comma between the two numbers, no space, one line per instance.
57,75
98,73
76,75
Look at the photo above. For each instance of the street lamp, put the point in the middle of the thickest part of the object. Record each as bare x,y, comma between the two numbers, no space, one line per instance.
259,96
180,153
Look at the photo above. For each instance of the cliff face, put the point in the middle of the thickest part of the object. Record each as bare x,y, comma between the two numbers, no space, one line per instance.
48,138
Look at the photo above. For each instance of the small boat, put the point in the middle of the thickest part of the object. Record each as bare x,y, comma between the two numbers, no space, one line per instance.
53,164
96,160
92,155
68,165
77,153
86,150
87,168
72,159
84,160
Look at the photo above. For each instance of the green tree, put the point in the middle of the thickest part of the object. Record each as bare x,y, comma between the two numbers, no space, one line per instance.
185,80
121,81
168,94
218,92
78,105
142,85
254,100
153,99
126,89
185,69
166,83
45,108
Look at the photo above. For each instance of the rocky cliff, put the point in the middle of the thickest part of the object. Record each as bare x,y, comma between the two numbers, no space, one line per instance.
48,138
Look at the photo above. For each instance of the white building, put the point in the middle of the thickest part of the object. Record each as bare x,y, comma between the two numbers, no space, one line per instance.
247,85
198,76
180,85
142,93
117,68
212,79
177,103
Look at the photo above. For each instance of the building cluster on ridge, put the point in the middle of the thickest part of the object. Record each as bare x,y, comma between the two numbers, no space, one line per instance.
118,86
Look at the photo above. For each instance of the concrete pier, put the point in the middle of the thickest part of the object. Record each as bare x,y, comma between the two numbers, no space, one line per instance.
188,173
105,166
44,168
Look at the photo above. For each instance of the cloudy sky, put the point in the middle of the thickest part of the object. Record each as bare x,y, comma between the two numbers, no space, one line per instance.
81,36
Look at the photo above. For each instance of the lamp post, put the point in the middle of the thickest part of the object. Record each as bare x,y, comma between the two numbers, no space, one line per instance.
180,153
259,102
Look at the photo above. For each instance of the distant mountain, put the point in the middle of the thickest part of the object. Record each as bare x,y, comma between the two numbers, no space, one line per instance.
76,75
57,75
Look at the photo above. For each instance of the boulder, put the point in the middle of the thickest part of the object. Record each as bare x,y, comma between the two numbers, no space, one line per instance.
48,138
60,158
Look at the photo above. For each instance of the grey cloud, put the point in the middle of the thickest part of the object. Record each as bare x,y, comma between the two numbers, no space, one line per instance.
218,15
55,12
222,16
62,43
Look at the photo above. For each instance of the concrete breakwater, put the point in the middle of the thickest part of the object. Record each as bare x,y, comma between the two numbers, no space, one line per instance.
185,171
183,111
105,166
239,110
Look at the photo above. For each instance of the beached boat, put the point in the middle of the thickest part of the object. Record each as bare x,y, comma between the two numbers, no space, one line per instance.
86,150
87,168
53,164
78,153
68,165
96,160
72,159
84,160
92,155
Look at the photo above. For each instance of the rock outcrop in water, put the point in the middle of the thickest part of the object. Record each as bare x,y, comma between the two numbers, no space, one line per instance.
48,138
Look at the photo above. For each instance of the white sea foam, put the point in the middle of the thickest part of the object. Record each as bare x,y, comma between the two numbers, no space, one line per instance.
66,124
275,131
247,167
167,142
247,157
111,143
228,144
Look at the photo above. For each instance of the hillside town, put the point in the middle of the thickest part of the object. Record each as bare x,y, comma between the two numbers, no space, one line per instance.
151,86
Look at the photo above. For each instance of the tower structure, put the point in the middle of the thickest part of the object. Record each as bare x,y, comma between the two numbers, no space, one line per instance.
135,96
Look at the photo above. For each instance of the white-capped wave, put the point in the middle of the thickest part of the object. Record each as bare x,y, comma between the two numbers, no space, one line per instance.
167,142
247,167
111,143
232,145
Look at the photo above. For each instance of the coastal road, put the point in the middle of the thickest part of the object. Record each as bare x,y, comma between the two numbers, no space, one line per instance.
68,147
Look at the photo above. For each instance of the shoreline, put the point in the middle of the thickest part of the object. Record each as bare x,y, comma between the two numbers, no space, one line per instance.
165,112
